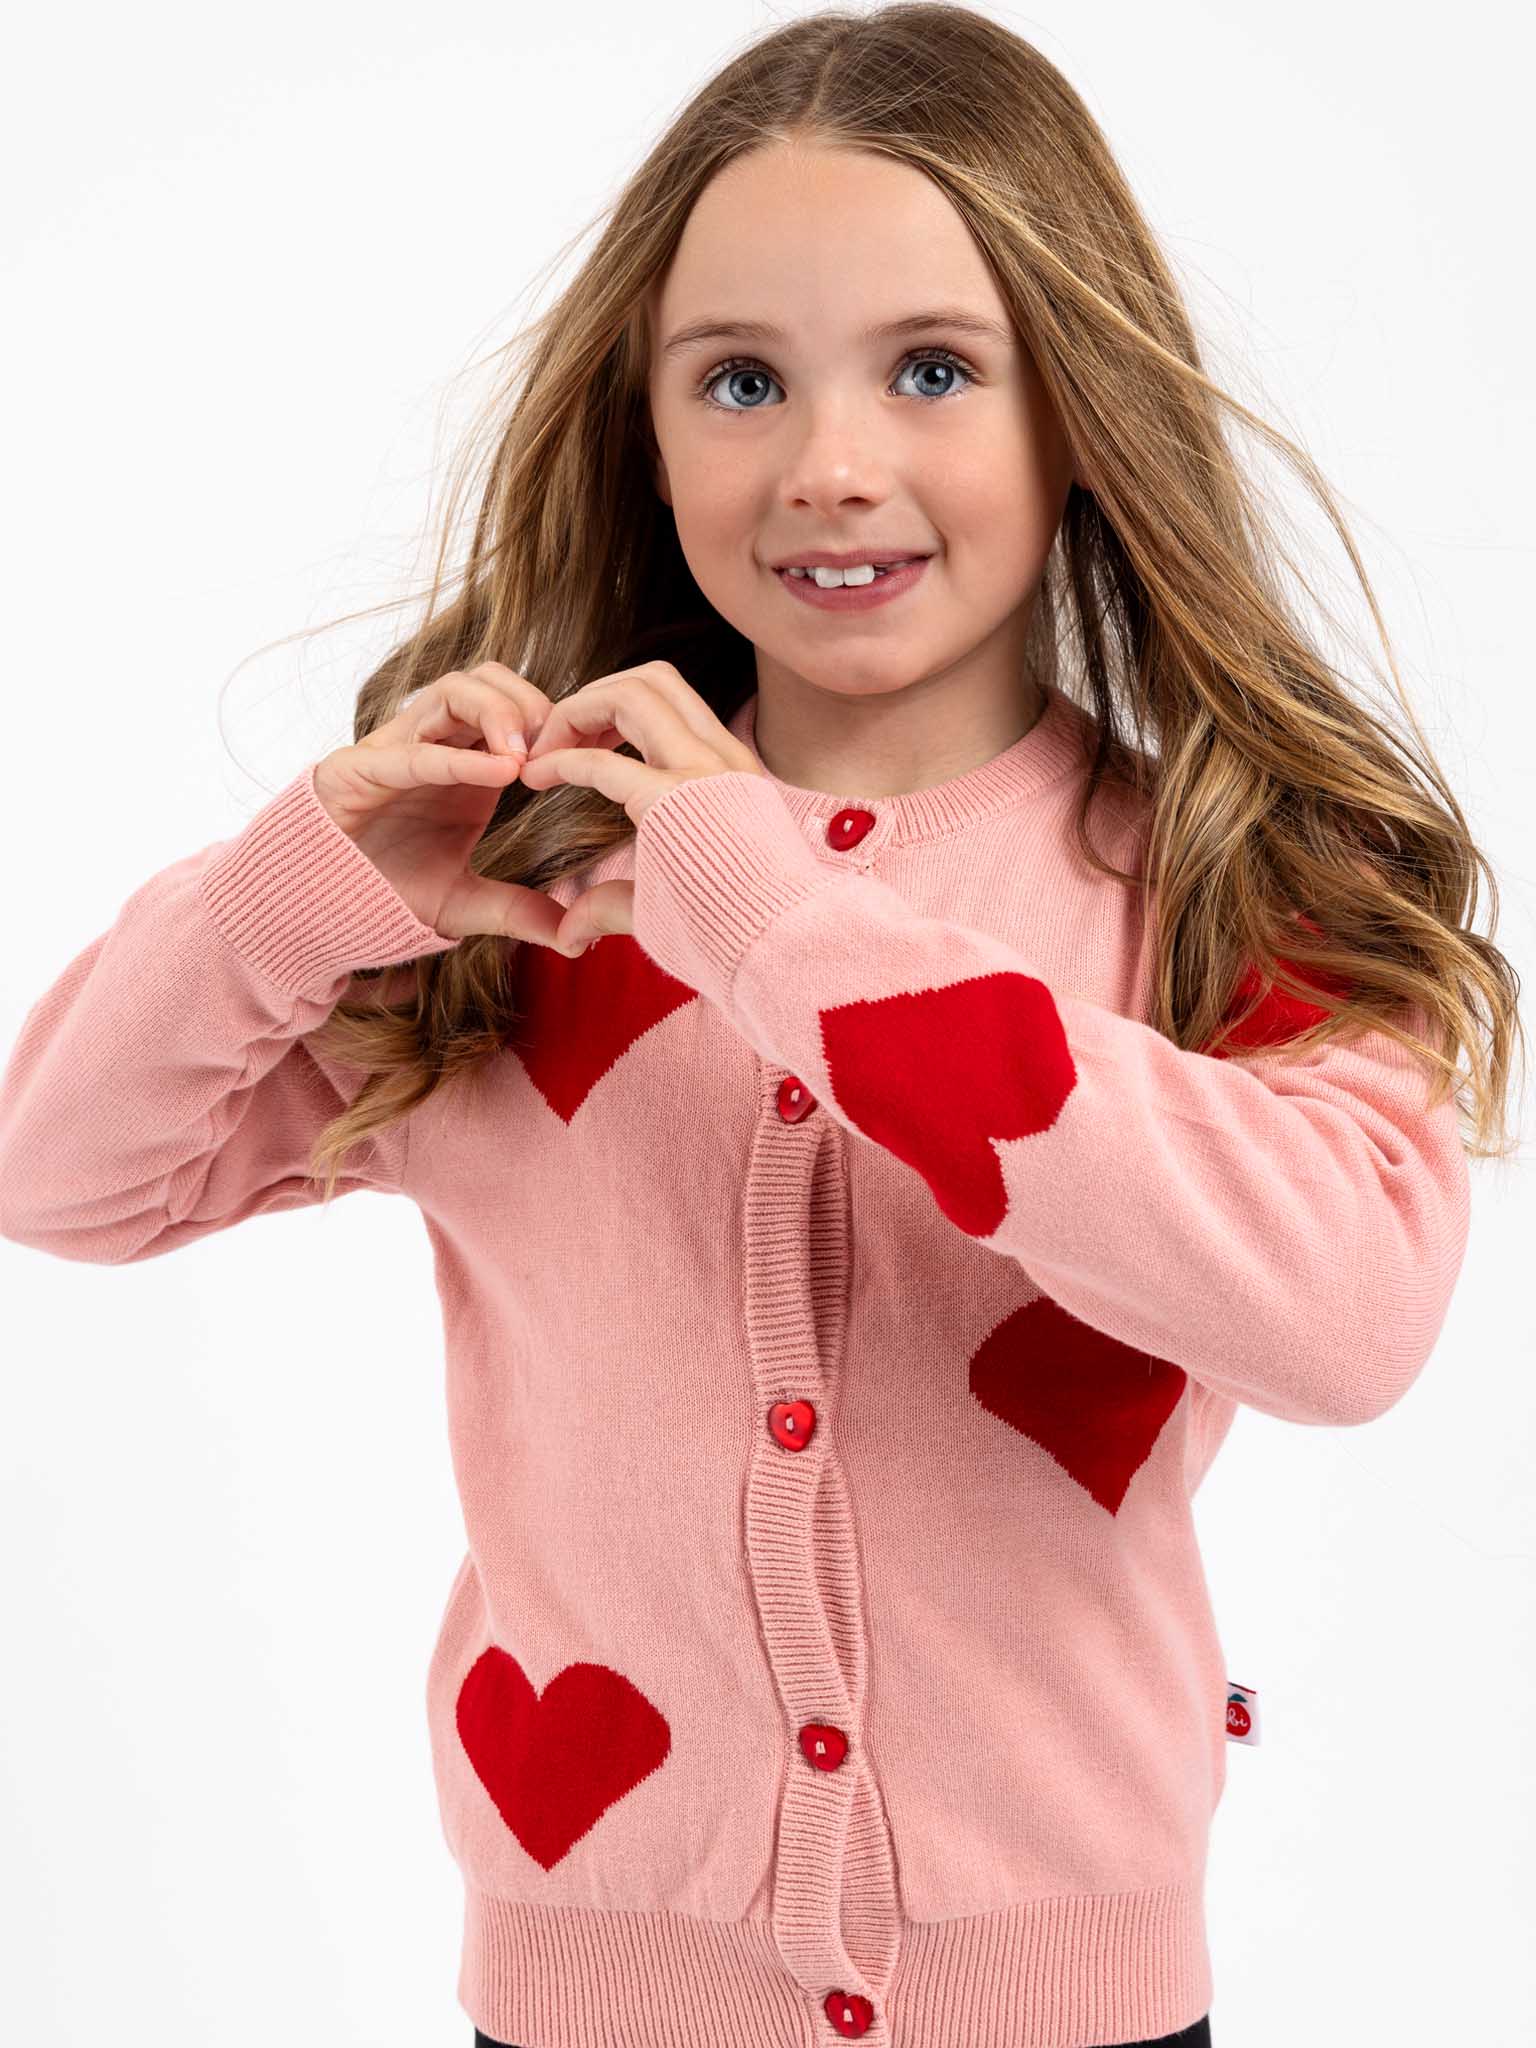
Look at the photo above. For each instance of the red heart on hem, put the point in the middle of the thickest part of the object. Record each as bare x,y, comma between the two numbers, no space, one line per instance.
553,1763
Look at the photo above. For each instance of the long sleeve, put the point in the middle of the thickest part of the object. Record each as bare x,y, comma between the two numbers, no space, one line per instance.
1287,1230
161,1088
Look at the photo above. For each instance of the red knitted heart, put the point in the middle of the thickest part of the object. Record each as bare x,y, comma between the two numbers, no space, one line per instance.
935,1077
1278,1016
555,1762
577,1018
939,1076
1096,1405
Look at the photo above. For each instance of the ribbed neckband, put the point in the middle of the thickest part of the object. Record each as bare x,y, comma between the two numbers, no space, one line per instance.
1056,742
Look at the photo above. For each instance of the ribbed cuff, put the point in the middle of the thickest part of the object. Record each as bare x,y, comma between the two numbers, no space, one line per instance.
303,904
717,860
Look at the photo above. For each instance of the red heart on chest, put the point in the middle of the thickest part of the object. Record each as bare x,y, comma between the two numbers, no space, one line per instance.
554,1762
579,1017
1096,1405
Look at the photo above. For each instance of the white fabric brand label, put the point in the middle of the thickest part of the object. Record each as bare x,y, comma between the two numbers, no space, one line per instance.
1242,1712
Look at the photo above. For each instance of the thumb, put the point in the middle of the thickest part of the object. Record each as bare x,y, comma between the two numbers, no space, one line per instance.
607,907
476,903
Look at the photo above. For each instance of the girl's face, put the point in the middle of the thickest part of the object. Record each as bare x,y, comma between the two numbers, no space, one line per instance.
937,439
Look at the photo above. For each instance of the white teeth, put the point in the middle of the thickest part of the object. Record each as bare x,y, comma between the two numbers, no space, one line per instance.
856,572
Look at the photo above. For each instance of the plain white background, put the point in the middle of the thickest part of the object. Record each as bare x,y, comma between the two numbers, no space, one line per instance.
248,258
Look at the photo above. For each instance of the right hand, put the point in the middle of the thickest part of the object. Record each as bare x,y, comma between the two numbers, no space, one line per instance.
417,793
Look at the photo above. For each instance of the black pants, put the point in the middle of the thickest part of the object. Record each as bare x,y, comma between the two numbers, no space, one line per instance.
1196,2035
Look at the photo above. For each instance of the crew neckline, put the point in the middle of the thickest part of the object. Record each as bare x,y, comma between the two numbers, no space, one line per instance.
1053,744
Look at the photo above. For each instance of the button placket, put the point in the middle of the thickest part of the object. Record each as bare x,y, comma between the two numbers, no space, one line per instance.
807,1596
809,1887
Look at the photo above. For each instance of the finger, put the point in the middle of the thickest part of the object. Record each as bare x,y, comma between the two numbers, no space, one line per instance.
663,683
464,707
473,706
416,764
530,699
616,775
576,718
690,706
440,713
626,706
475,903
604,908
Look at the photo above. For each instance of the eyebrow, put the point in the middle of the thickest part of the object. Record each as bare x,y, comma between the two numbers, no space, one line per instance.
956,318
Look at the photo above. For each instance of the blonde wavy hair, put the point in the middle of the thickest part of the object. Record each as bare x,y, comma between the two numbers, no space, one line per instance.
1293,842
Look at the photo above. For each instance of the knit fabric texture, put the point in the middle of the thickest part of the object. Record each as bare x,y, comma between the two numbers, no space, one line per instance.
844,1293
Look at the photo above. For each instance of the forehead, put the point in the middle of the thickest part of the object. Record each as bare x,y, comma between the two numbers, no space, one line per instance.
825,244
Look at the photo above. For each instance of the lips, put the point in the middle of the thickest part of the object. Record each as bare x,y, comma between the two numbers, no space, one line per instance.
880,568
824,560
853,562
884,588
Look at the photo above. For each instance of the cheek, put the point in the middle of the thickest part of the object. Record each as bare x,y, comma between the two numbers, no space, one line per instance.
998,505
718,530
715,502
994,467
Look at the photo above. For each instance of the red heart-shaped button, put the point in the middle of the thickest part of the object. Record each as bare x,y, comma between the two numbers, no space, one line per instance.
793,1423
1096,1405
848,2012
579,1017
554,1762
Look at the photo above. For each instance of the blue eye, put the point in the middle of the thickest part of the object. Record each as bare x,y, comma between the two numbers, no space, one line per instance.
734,365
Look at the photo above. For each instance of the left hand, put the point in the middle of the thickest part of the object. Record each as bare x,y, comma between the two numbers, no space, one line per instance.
654,709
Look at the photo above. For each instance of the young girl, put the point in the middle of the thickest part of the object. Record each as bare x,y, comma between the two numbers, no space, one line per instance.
897,1115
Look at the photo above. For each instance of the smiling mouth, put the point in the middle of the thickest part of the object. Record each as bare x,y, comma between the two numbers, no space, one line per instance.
807,572
869,592
880,569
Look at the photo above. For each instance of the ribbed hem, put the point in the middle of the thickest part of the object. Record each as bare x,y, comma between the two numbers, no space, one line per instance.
1068,1972
302,903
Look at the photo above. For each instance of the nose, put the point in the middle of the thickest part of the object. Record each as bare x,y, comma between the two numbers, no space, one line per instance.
841,457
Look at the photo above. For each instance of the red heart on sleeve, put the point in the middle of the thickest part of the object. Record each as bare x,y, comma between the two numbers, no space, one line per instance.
937,1076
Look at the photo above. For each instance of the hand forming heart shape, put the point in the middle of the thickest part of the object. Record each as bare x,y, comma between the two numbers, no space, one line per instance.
655,709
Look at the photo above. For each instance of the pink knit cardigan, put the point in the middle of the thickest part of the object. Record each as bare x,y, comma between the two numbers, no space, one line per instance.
844,1293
